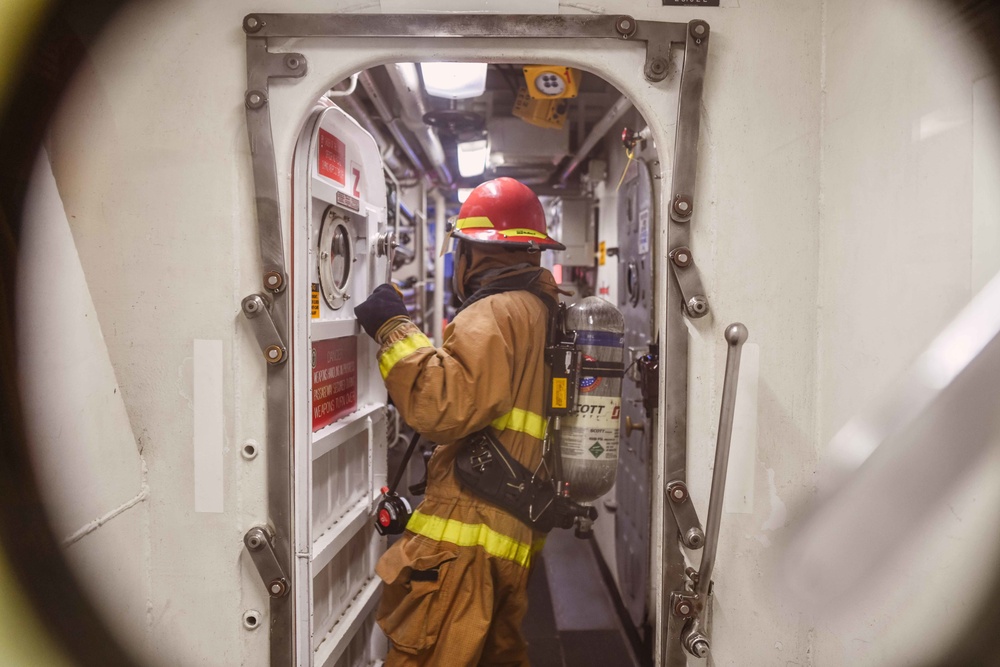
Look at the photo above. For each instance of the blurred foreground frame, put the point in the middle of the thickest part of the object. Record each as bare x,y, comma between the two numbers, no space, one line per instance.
36,82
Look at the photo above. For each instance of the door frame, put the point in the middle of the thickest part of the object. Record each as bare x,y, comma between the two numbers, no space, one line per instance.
266,34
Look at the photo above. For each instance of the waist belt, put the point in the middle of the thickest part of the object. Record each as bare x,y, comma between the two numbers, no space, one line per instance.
486,469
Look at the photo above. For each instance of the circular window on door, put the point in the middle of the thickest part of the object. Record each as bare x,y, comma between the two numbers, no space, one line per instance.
336,257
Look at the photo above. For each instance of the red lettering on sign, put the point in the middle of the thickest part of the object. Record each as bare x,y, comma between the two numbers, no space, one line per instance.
334,380
357,181
331,158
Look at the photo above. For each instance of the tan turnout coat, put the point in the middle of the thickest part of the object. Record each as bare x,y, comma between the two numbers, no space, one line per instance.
490,371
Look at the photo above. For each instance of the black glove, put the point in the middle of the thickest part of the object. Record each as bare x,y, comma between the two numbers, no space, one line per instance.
384,304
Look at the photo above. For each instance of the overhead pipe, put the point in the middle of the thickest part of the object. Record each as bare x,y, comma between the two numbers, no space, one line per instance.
385,146
617,110
406,80
437,325
334,93
395,125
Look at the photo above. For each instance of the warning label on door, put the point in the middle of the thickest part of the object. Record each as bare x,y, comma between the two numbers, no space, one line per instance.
334,380
332,156
592,433
314,304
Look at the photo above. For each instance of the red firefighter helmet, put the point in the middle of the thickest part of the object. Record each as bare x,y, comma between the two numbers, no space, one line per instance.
506,212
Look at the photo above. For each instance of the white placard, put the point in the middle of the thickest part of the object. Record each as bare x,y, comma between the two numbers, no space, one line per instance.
208,426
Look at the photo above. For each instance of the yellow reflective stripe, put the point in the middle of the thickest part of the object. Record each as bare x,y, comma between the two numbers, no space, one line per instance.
474,221
521,421
521,232
470,535
400,350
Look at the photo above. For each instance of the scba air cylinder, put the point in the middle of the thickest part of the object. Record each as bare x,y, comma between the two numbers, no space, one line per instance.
589,437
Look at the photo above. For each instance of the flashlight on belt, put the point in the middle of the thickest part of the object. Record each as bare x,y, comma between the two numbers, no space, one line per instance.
393,511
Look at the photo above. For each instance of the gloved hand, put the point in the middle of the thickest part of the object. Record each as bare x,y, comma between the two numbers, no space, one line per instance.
384,304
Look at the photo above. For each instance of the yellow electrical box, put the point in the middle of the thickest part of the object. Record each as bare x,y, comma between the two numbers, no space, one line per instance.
552,82
543,113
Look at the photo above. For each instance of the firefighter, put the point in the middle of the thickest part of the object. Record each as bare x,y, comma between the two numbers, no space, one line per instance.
455,582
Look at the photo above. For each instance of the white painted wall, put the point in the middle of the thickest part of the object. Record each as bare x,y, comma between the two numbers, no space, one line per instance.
756,243
152,161
85,450
825,149
907,235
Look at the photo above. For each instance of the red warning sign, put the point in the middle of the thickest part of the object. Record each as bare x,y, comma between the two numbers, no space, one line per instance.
332,156
334,379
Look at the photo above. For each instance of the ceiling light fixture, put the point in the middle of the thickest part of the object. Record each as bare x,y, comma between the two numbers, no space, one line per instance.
454,81
472,157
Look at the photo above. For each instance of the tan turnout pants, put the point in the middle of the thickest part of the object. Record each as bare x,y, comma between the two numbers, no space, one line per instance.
450,606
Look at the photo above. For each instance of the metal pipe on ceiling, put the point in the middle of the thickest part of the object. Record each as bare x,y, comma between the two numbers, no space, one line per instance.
385,146
406,80
396,126
617,110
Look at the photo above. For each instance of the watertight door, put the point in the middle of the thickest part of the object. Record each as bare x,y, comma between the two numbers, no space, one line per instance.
635,299
339,212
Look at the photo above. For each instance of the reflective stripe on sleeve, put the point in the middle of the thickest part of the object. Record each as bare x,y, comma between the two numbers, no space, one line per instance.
401,349
471,535
521,421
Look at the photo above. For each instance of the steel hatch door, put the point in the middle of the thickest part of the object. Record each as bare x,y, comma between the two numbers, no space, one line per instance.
339,423
635,299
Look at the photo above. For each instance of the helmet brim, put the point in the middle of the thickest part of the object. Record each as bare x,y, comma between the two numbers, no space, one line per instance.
527,238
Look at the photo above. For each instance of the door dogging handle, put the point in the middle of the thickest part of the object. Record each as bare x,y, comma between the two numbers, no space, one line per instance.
694,636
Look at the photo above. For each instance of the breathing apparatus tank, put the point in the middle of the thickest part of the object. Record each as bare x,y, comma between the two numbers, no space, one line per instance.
588,436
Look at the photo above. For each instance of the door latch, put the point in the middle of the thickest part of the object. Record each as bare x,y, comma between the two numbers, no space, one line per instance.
693,292
259,315
385,246
648,366
258,543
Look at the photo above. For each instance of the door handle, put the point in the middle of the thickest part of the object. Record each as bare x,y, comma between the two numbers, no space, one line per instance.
633,426
693,603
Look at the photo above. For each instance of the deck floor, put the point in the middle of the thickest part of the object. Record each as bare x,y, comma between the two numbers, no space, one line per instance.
571,620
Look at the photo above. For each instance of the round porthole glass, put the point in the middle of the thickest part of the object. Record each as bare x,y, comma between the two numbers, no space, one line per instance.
336,257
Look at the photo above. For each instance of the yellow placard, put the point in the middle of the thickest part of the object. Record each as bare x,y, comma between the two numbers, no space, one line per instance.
602,253
315,301
558,392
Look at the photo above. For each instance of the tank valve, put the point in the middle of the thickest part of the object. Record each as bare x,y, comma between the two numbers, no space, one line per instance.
585,526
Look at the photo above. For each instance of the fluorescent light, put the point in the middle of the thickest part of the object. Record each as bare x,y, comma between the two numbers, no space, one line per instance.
463,194
472,157
455,81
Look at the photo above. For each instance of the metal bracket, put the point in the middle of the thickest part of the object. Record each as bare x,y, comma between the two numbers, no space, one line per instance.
688,121
258,543
685,605
257,313
692,534
657,36
262,65
693,292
